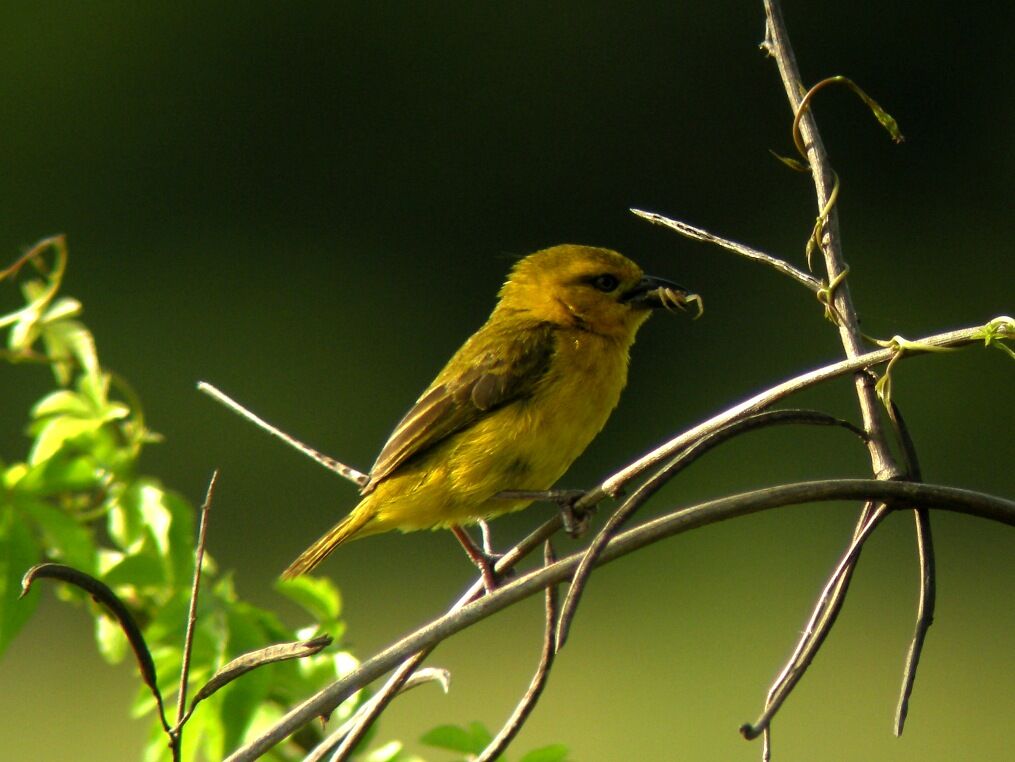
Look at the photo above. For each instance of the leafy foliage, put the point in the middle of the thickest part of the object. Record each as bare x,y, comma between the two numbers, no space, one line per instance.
77,498
472,739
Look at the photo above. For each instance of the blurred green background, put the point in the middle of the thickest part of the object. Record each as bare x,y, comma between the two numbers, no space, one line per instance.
311,205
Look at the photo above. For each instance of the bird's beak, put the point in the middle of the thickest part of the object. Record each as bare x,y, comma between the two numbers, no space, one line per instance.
653,293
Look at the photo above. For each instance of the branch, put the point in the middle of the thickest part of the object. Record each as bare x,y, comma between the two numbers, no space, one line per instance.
697,234
928,582
372,708
762,400
932,496
346,472
176,736
839,303
538,682
661,477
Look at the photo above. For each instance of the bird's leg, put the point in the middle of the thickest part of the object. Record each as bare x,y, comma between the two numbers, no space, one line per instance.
575,522
484,530
483,561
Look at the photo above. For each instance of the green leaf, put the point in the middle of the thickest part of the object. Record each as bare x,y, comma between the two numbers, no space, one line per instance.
62,401
471,740
553,753
126,521
139,570
145,511
392,751
57,431
17,553
110,639
318,596
64,471
64,538
68,345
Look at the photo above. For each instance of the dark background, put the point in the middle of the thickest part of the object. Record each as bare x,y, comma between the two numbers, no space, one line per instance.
312,205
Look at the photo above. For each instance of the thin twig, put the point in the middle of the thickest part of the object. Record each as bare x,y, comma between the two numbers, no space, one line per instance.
685,458
612,485
698,234
346,472
528,702
823,616
346,730
188,640
365,720
928,583
930,495
924,613
366,717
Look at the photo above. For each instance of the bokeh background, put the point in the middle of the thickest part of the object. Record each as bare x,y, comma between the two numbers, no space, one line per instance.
312,204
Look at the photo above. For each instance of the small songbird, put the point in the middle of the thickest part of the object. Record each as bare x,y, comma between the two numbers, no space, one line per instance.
516,404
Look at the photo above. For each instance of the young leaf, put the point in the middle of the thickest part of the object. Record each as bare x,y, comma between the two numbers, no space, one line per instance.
471,740
17,552
254,659
552,753
64,538
316,595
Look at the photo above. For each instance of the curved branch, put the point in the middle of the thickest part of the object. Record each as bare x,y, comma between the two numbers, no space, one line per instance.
651,485
769,397
711,512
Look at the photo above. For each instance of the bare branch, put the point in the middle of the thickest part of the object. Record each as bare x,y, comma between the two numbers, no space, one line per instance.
698,234
349,733
932,496
535,690
928,582
764,399
346,472
188,640
823,616
661,477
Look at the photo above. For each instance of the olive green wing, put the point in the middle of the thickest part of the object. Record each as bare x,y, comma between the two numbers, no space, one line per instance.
496,366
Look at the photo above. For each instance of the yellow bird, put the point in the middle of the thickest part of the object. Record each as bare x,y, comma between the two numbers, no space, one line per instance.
516,404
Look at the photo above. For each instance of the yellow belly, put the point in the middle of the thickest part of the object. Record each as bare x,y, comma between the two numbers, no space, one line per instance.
526,445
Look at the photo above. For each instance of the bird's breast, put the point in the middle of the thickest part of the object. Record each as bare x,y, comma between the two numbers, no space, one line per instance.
536,439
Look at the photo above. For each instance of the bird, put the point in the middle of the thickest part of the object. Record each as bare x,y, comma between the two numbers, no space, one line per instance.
516,404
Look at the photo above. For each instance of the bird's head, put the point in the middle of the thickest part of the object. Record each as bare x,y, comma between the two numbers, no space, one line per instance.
588,288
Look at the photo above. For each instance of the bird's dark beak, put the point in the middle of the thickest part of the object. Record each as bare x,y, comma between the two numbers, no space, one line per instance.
653,293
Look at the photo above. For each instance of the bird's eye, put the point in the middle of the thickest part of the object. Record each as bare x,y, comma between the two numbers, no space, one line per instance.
605,282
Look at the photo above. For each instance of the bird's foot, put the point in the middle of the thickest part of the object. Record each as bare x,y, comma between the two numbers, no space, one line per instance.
484,558
576,520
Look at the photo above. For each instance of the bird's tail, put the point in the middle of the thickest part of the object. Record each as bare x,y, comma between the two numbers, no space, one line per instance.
344,530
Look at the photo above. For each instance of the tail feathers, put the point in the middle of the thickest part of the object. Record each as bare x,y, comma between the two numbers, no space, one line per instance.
344,530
